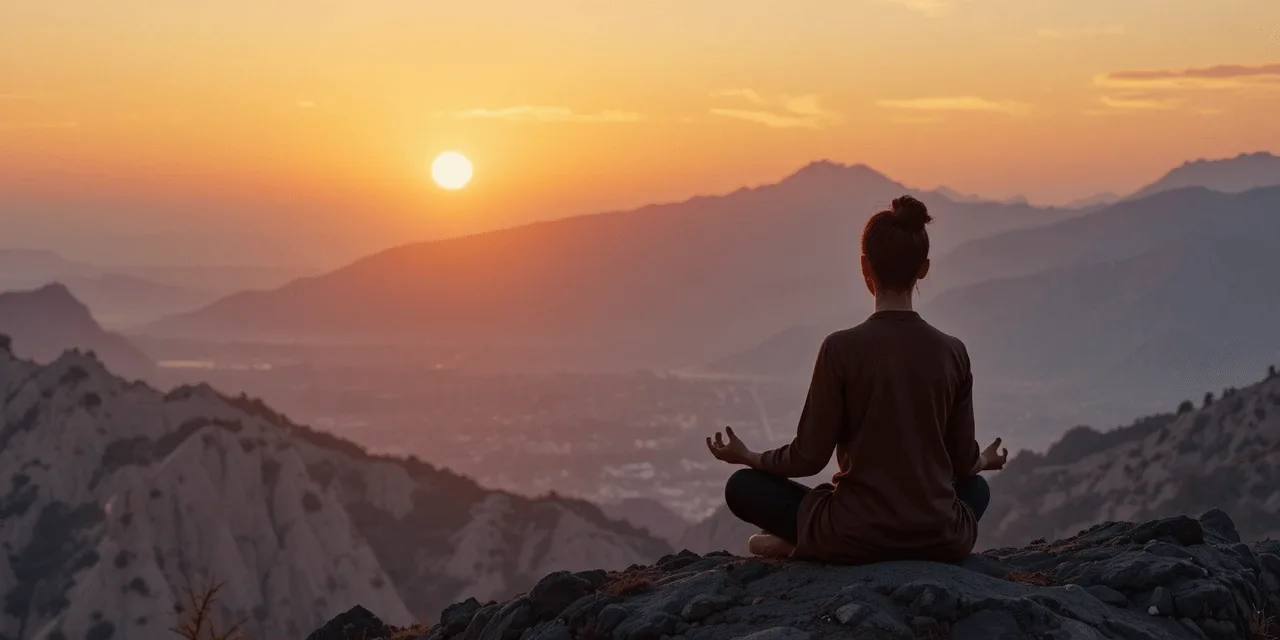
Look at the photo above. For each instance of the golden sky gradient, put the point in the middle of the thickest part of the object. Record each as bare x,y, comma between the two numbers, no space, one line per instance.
327,113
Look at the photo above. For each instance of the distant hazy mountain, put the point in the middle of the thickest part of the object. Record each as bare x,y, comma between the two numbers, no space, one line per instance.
650,515
1094,201
134,295
38,265
721,531
956,196
1223,455
1121,231
1229,175
665,285
1179,285
118,496
47,321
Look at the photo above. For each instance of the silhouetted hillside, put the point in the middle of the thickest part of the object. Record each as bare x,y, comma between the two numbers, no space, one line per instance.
1228,175
47,321
1121,231
663,285
1204,302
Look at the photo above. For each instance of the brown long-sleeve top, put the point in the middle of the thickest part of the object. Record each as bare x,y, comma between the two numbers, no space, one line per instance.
893,398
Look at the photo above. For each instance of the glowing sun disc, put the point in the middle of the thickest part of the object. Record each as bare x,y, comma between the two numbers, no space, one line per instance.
451,170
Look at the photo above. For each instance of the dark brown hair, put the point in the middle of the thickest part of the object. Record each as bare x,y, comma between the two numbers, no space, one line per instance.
896,243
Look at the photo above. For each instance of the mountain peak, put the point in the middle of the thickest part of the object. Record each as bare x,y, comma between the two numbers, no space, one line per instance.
824,171
1243,172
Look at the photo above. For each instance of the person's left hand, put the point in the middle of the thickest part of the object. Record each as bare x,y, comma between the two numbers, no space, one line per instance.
734,451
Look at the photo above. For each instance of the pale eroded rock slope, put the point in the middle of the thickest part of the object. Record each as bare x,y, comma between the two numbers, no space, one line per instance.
115,496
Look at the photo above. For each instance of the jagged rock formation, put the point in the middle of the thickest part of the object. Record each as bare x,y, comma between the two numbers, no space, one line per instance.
114,497
45,322
1222,455
1173,578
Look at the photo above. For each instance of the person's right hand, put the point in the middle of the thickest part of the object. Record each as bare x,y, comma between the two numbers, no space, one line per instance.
993,457
734,451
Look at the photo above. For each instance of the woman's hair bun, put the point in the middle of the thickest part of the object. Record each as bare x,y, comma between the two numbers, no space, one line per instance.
910,214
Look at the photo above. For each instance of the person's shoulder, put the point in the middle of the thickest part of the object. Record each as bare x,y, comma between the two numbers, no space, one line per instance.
955,344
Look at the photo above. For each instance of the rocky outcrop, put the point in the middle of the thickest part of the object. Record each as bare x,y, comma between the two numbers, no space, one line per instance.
1220,455
115,497
1180,577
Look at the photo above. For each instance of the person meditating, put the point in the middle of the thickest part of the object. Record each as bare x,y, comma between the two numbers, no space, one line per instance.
893,398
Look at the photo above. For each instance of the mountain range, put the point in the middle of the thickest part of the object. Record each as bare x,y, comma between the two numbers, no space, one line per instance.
130,296
119,497
665,285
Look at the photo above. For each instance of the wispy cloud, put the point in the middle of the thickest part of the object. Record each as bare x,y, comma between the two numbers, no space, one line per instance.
306,104
1225,76
16,97
1081,33
928,119
1143,104
930,8
779,111
541,113
959,103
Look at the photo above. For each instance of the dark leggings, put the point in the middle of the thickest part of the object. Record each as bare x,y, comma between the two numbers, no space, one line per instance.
773,503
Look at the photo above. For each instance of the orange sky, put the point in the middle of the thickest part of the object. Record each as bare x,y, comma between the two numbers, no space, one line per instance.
321,117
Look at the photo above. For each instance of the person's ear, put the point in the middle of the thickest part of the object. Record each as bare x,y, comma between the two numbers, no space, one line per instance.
868,275
924,270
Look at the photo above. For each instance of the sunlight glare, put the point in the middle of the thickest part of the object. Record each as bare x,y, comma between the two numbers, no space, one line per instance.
451,170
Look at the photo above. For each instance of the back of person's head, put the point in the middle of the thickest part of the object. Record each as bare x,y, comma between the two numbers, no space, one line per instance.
895,244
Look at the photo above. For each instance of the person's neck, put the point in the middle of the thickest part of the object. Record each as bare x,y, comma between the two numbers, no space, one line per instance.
893,301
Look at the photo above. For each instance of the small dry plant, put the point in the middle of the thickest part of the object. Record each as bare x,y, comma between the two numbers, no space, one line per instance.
1035,578
626,584
196,621
1262,626
411,632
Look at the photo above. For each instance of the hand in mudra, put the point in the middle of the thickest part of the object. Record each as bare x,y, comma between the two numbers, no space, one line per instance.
733,450
993,457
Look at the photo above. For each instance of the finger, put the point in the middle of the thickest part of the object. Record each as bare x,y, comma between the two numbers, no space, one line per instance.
996,444
719,440
732,435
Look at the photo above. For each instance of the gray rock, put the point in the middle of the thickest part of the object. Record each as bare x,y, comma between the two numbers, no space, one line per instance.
555,592
852,613
1160,603
926,598
988,625
1219,629
480,620
1203,599
1191,627
654,627
456,617
586,609
550,631
510,622
778,633
611,616
1217,523
702,606
882,624
1108,595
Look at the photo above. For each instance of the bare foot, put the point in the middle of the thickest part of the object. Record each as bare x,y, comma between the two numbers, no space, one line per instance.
769,546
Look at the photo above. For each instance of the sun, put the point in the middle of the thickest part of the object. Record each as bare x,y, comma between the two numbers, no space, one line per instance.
451,170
